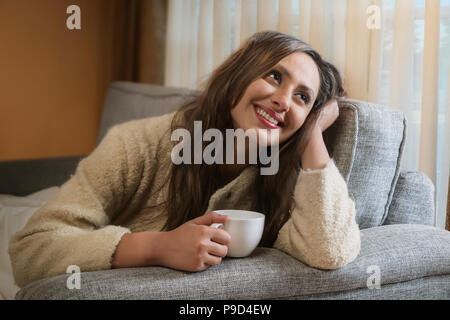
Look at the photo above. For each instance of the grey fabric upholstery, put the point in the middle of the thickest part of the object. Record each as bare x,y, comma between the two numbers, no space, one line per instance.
429,288
127,101
413,260
23,177
413,200
367,142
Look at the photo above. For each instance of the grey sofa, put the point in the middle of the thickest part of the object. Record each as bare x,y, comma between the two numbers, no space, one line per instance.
402,255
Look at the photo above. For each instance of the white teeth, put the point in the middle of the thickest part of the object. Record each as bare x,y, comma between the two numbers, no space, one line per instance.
266,116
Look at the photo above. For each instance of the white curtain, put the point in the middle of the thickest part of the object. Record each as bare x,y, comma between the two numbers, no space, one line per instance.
402,58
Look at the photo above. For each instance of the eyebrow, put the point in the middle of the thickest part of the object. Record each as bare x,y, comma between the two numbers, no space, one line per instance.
302,86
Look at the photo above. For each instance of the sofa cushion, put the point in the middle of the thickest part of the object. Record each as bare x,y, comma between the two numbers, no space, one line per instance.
127,101
428,288
397,253
413,200
366,142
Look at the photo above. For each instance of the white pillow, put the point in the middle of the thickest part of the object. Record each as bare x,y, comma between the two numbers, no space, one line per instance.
14,213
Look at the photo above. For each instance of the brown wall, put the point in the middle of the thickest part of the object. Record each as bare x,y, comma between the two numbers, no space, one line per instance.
52,79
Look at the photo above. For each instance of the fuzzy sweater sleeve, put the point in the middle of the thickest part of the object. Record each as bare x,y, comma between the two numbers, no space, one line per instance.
322,231
73,227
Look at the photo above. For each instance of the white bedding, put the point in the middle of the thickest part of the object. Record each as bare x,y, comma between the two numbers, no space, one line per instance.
14,213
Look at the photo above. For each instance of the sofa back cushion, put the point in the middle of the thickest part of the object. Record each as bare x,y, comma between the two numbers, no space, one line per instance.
366,141
126,101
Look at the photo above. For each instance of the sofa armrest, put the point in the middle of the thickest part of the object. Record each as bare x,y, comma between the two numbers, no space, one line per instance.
402,252
22,177
413,200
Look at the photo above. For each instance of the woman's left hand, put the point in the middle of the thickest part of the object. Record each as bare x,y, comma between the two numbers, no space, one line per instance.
328,115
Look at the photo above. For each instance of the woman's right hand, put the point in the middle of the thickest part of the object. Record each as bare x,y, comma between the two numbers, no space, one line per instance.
328,114
193,246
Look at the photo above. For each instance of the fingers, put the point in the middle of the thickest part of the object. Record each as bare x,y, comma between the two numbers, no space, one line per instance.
215,254
209,243
220,236
210,218
217,249
213,260
212,256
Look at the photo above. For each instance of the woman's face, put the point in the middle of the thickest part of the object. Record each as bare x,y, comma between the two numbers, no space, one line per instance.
280,100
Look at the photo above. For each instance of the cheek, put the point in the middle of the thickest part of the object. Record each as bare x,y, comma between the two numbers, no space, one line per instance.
237,115
297,120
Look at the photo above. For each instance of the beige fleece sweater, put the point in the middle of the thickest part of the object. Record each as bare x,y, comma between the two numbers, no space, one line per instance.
121,186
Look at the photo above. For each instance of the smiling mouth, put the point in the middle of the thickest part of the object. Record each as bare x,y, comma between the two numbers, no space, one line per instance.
267,119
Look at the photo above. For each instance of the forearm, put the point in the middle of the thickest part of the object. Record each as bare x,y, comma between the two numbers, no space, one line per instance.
44,249
322,229
315,155
136,250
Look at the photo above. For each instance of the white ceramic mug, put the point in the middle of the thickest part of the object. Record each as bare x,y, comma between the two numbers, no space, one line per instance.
245,228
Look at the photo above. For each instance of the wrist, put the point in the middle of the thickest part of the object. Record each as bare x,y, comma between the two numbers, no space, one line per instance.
155,248
136,250
315,155
317,129
315,140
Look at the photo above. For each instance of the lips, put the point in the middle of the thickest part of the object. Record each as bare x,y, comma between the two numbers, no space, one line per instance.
268,117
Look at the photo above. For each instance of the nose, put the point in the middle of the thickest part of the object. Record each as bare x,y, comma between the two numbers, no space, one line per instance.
282,100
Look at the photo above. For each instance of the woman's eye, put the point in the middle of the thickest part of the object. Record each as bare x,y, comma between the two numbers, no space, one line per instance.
274,75
304,97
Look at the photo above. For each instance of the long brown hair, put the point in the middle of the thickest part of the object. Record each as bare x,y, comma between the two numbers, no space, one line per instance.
223,91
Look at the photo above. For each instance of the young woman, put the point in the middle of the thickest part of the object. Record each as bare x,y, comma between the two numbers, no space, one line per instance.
129,205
